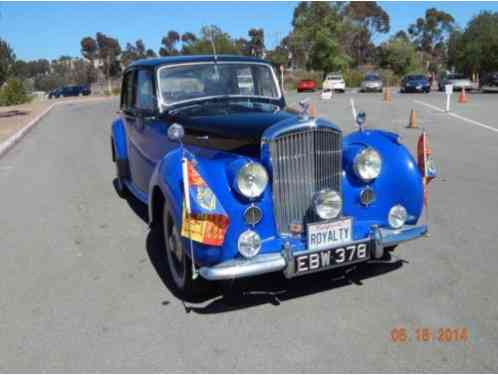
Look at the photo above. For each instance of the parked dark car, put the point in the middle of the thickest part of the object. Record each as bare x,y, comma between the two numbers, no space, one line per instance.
306,85
79,90
237,184
490,82
415,83
55,93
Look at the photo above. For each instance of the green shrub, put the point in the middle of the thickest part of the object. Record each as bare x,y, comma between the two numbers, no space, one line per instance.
13,92
389,77
353,78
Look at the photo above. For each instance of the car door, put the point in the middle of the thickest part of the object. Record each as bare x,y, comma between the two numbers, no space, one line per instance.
129,116
140,119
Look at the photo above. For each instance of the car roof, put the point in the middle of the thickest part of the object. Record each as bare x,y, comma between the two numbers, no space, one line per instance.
182,59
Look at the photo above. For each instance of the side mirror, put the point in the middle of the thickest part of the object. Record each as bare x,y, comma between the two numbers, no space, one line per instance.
176,132
361,118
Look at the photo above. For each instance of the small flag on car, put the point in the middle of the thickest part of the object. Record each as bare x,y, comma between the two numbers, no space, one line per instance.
204,219
425,163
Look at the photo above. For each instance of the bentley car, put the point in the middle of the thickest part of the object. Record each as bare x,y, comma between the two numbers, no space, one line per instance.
237,184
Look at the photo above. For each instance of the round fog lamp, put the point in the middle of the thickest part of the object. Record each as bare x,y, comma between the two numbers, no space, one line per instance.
249,244
327,203
253,215
397,216
367,196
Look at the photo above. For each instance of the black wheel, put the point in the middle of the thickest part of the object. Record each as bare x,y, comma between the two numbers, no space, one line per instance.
179,264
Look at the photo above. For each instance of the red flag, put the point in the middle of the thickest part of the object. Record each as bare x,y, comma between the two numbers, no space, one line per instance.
204,218
425,163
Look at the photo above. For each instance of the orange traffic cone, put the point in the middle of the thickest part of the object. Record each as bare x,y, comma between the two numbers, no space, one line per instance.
462,98
312,110
387,95
412,124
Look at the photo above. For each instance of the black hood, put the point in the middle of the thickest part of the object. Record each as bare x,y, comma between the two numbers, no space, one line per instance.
234,130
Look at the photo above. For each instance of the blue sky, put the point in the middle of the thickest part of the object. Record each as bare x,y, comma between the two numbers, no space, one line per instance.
48,30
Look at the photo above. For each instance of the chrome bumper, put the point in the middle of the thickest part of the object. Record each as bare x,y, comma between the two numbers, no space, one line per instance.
274,262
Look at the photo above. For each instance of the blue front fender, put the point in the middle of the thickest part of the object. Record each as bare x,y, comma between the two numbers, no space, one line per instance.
119,139
399,182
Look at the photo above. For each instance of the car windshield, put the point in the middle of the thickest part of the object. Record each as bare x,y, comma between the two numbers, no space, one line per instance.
456,76
372,78
209,80
334,78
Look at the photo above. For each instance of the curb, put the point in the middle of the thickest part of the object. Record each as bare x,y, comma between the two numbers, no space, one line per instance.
10,142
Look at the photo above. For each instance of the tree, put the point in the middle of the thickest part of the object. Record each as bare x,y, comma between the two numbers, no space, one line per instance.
203,44
399,55
430,34
21,69
7,59
367,20
169,44
89,48
135,51
476,49
315,40
256,43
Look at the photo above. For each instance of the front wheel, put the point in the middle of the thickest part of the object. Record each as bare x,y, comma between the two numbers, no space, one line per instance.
179,264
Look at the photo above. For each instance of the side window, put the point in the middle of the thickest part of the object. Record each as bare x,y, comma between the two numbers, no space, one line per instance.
127,91
145,90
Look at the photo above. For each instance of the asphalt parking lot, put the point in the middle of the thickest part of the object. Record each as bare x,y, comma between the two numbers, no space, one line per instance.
83,287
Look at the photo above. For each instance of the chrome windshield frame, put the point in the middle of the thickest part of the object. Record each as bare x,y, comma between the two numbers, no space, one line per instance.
163,106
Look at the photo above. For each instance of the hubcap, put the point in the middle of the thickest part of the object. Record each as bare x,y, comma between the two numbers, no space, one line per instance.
175,255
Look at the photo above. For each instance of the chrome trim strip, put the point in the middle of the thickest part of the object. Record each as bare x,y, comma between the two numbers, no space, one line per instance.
274,262
236,268
391,237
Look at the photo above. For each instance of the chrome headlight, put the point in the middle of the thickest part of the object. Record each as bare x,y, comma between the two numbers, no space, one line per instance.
397,216
249,243
367,164
327,203
251,180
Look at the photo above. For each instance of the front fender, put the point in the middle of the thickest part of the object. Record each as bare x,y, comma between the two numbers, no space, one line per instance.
399,182
212,166
118,132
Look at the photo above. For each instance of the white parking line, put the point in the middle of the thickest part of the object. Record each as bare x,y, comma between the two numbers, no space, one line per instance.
470,121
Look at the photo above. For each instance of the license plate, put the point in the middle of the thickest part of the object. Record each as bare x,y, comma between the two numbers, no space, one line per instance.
419,87
330,258
329,234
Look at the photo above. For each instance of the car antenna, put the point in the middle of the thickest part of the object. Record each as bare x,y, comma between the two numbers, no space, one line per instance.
213,46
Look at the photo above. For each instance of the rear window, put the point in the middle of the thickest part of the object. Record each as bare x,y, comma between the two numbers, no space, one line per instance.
456,76
372,77
334,78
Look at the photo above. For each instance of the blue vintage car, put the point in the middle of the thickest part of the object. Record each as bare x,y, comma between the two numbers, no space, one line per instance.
238,184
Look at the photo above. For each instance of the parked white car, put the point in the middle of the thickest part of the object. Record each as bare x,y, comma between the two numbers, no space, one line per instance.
458,81
334,82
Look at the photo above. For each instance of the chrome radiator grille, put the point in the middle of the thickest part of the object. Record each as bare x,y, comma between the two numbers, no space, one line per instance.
303,163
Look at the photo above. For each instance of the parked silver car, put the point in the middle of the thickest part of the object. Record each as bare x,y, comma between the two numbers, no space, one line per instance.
372,82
